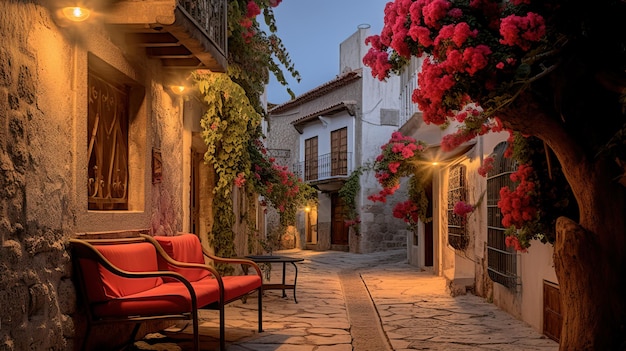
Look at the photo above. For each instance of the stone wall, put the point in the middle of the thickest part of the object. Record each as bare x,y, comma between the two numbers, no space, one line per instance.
43,147
37,295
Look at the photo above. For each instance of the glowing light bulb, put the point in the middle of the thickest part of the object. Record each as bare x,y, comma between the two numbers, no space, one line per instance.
178,89
76,13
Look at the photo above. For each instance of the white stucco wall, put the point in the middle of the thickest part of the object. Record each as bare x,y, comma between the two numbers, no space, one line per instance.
322,128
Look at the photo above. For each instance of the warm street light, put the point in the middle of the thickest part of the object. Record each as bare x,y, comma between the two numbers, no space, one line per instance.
177,89
76,13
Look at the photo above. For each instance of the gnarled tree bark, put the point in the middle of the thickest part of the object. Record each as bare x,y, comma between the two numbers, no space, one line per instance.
589,255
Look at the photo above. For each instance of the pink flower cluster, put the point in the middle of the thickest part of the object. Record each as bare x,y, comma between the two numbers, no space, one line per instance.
389,164
240,180
382,195
408,211
486,167
377,58
252,10
469,50
452,141
438,80
462,209
352,222
513,241
517,206
522,31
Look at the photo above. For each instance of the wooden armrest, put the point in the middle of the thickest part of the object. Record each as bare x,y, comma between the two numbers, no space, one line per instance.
233,261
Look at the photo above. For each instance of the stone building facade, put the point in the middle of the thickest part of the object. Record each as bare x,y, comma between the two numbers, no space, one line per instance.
367,110
46,88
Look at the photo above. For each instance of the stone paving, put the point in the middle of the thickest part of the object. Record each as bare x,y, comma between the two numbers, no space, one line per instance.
412,306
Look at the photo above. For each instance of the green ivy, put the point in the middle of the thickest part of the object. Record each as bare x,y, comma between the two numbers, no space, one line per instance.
231,124
348,195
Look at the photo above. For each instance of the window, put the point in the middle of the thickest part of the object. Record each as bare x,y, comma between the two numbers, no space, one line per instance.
310,159
457,233
502,262
107,140
339,152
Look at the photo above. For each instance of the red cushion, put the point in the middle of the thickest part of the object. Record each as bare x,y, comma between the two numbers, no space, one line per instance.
184,248
165,299
137,257
238,285
234,286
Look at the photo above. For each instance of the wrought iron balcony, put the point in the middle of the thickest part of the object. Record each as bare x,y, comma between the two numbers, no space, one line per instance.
327,172
183,34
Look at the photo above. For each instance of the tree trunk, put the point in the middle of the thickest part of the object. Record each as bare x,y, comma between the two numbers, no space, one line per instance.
589,256
590,264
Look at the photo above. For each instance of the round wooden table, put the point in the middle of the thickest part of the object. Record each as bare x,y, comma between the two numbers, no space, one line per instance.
284,260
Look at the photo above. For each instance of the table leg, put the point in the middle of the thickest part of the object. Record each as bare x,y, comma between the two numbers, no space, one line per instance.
295,281
284,271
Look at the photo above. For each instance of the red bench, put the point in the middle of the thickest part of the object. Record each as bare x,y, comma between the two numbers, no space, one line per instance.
132,280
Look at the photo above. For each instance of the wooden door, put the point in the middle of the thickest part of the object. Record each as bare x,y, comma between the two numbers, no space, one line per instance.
339,231
339,152
552,317
197,159
428,227
310,159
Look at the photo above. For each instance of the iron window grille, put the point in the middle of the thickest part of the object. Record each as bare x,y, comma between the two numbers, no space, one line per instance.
108,106
457,231
502,261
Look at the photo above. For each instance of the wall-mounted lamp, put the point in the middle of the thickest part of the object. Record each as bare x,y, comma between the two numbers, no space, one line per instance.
435,163
307,209
178,89
76,13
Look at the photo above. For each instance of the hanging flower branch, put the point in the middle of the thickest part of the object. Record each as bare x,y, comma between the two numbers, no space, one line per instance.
403,157
479,56
234,108
540,196
253,52
278,186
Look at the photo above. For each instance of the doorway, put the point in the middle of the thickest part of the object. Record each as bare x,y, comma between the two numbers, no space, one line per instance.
339,231
428,227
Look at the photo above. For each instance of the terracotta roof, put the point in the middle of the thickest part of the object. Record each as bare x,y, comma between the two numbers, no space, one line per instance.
348,105
340,81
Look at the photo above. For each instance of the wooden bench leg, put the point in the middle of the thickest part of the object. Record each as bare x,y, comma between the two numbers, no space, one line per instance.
260,308
83,347
133,335
222,328
196,331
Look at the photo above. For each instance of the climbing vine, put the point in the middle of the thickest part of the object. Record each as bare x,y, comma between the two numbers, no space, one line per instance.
231,124
348,195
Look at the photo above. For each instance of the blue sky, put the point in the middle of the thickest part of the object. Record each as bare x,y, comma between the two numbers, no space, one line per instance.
312,30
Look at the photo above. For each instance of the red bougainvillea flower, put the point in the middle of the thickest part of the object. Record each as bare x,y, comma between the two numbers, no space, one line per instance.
522,31
240,180
252,9
462,209
408,211
517,206
486,167
513,241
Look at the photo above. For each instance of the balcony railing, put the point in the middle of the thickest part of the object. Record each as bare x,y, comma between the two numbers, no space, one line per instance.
211,17
408,107
183,34
329,166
